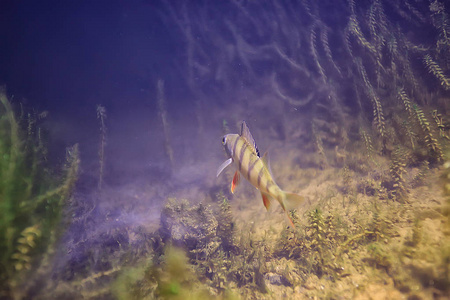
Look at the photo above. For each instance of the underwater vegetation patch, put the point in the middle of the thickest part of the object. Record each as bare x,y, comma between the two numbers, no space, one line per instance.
32,199
363,88
369,81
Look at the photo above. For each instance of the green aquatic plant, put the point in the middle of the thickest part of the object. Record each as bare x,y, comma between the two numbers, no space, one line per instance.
397,170
247,267
31,203
316,55
226,226
438,118
417,233
378,114
101,115
353,29
292,242
383,54
379,256
162,109
381,226
410,133
417,116
25,246
346,180
367,140
437,71
419,178
445,177
319,144
323,240
407,102
190,227
170,278
430,141
440,21
327,50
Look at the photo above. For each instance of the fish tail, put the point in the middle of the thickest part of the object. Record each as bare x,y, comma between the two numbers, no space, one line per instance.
291,201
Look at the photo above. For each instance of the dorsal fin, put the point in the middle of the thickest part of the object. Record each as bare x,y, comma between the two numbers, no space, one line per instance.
245,133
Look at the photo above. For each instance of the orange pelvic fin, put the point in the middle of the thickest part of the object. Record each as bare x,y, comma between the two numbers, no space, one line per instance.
266,200
235,181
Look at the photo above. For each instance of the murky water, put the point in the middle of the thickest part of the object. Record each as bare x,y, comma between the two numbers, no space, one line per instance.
110,147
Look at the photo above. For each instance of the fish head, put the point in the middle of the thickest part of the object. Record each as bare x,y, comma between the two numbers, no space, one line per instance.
228,142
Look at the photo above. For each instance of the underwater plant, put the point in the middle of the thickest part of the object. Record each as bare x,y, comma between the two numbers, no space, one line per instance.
363,82
162,109
31,203
170,278
101,115
398,170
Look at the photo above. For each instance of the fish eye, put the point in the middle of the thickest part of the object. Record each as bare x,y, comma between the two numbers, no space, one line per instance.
224,140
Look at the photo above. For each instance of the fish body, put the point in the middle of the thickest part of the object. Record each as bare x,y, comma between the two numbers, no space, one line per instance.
243,152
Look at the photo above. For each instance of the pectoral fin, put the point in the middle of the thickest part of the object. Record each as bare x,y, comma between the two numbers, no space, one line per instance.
266,200
224,165
235,181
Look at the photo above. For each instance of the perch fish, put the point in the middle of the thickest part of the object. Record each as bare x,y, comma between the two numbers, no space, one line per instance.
242,150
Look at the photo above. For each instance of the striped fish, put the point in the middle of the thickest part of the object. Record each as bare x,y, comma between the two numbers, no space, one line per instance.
242,150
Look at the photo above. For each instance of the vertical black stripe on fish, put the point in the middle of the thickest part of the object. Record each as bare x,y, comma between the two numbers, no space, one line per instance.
241,154
250,168
260,174
234,147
